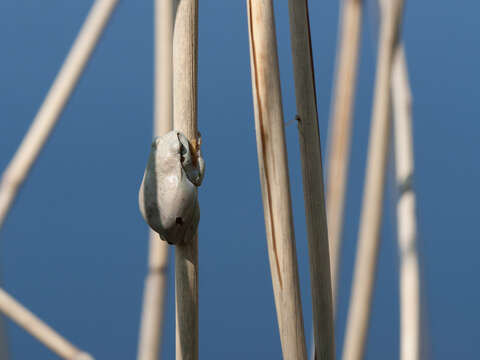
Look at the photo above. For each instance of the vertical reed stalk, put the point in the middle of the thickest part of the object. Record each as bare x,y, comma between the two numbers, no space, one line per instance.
185,57
274,179
410,292
37,328
58,95
407,224
341,128
151,329
312,180
370,222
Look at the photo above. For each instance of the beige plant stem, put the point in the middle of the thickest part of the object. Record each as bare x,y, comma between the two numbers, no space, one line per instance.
274,177
312,172
371,216
341,128
185,58
37,328
151,328
49,112
410,284
407,223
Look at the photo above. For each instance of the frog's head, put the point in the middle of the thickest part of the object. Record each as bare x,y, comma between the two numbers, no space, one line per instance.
173,143
171,150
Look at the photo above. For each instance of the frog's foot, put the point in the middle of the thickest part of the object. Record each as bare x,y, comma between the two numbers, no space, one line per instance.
199,141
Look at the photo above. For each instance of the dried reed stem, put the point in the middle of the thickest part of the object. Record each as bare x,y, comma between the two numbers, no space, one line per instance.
274,179
49,112
370,222
407,224
37,328
151,328
18,168
312,180
341,128
185,57
163,97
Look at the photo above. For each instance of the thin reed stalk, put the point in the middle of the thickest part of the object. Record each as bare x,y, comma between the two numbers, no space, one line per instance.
371,216
58,95
406,219
341,128
152,323
274,179
312,175
185,58
151,328
37,328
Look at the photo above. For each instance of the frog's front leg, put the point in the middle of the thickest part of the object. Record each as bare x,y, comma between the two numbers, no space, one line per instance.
200,162
192,160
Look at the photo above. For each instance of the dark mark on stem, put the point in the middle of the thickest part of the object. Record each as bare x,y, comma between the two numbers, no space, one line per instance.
263,145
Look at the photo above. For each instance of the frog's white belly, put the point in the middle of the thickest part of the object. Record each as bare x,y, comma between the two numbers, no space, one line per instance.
170,205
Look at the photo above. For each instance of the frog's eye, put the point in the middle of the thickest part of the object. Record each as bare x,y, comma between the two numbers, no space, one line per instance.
183,152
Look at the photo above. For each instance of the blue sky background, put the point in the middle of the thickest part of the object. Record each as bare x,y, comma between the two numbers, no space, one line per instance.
74,247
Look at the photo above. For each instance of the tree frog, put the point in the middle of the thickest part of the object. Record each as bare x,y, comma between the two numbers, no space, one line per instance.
168,197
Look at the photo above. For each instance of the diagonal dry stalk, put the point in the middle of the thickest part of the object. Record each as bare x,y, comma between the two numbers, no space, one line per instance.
37,328
274,179
312,175
341,128
58,95
185,59
407,222
21,163
370,222
151,328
